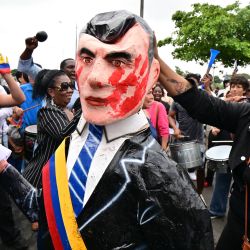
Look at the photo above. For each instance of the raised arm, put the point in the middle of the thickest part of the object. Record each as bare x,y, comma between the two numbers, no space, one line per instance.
16,95
172,82
31,44
26,63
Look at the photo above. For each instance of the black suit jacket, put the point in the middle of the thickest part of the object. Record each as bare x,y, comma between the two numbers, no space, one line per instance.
143,201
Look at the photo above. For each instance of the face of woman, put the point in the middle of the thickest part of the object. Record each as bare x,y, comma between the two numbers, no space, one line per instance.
149,98
157,93
62,90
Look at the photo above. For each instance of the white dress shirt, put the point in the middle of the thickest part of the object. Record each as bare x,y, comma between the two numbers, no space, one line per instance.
113,137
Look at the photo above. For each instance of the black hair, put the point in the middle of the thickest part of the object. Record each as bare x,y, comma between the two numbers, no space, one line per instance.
45,79
64,62
238,79
160,86
225,81
108,27
20,74
195,76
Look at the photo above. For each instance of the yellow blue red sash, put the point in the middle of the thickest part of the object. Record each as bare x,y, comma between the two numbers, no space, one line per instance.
59,211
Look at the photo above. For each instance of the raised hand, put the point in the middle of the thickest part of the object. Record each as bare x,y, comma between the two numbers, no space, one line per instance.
4,65
31,43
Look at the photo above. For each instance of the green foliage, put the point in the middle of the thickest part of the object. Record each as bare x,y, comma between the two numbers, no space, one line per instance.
217,79
13,71
210,26
179,71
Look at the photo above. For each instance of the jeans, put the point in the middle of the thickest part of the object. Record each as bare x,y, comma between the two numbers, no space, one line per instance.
221,190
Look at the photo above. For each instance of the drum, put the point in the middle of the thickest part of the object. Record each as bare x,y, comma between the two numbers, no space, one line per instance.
30,134
218,158
186,154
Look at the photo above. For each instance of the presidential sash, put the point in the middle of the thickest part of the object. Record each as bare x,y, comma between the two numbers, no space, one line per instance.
60,215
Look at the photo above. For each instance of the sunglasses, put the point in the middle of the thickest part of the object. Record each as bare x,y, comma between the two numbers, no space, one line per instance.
64,86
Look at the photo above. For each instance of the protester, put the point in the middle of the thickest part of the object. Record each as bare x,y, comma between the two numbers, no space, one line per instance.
233,117
24,116
22,77
4,114
187,130
135,197
158,93
149,98
9,233
53,118
27,65
16,96
238,88
158,119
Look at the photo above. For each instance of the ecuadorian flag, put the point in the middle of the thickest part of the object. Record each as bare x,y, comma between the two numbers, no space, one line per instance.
4,65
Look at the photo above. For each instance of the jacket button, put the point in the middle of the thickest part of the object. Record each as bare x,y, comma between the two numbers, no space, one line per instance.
243,158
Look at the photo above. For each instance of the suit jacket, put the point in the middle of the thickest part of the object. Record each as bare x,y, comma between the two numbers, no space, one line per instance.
143,201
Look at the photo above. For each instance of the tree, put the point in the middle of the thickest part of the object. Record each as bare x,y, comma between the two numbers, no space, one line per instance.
217,79
210,26
179,71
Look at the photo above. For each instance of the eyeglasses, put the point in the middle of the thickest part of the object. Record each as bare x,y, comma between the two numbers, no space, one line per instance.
64,86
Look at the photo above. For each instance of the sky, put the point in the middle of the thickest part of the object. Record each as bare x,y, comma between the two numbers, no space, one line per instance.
63,20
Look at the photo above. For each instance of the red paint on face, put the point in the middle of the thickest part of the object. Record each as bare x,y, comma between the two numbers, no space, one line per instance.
116,76
78,73
129,103
122,87
144,67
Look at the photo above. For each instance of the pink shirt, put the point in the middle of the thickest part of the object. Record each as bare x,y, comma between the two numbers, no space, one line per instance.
162,124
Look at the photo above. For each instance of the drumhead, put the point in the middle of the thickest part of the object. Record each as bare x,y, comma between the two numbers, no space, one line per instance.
32,129
218,153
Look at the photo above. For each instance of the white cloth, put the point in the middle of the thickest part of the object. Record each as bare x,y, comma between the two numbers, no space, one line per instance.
113,137
4,153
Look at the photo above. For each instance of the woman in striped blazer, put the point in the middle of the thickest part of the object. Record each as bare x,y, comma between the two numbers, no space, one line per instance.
55,120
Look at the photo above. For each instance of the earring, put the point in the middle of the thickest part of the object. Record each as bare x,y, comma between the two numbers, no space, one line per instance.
52,101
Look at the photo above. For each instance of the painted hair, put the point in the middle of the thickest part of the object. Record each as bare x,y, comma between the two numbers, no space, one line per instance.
108,27
45,79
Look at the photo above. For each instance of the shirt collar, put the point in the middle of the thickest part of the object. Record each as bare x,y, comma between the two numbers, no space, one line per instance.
125,127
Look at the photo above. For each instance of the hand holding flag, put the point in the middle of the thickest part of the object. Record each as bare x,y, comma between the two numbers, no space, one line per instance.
4,65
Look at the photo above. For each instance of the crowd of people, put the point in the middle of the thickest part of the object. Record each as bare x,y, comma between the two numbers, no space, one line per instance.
91,162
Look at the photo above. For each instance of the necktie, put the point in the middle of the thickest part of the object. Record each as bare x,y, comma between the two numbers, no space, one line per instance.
79,173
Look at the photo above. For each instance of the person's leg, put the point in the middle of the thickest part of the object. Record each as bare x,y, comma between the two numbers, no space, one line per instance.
221,190
209,178
232,235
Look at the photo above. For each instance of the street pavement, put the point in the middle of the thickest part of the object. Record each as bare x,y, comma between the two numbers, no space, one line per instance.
30,236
